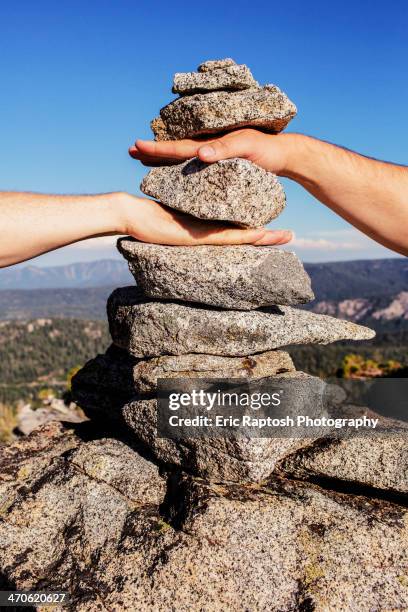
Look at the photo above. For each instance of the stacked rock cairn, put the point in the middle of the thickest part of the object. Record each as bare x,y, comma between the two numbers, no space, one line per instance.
124,520
209,311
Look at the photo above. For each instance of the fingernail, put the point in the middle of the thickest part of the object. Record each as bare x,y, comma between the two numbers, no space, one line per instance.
207,151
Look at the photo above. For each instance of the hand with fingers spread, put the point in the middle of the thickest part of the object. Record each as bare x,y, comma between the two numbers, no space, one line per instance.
369,194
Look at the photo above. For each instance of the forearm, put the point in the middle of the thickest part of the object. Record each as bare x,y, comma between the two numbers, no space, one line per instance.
370,194
32,224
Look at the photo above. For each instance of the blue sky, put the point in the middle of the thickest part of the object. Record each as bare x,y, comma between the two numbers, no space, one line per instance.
82,80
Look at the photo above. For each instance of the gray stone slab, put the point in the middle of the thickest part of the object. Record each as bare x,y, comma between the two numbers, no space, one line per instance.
121,376
267,108
270,363
227,78
152,328
234,190
377,461
235,277
234,458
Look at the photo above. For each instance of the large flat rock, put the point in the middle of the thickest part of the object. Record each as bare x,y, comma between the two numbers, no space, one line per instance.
152,328
234,190
376,461
312,549
148,371
231,78
97,517
237,277
120,375
267,108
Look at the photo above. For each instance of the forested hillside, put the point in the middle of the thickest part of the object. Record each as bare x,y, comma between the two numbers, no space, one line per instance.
328,360
40,353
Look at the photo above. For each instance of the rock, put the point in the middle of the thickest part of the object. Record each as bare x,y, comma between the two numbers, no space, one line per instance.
119,374
29,419
234,458
216,64
104,385
152,328
238,277
84,525
288,547
233,190
227,78
146,372
112,462
267,108
31,455
377,461
159,129
62,525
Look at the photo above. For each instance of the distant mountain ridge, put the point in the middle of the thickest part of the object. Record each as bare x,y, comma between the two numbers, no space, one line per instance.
77,275
331,281
341,280
77,303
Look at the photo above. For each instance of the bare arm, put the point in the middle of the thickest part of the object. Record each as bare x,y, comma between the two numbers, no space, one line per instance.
370,194
32,224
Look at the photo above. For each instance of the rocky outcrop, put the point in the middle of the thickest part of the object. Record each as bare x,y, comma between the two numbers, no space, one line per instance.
98,520
371,310
397,309
53,409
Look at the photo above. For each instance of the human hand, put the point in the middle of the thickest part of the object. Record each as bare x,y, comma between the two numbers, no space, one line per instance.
150,221
271,152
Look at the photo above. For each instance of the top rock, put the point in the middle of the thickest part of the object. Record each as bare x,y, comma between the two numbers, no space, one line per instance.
229,78
219,97
216,64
